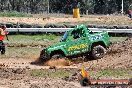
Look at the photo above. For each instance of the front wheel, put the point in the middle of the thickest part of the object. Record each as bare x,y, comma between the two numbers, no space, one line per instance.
85,82
98,52
57,56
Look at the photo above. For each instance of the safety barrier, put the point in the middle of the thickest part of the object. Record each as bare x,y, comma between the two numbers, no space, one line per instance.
44,30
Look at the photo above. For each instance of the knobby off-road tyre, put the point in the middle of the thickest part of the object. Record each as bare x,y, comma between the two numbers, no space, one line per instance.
84,82
98,52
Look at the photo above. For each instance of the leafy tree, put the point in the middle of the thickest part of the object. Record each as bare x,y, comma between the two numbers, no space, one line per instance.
65,6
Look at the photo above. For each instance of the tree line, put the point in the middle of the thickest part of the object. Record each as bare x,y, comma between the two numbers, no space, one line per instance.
65,6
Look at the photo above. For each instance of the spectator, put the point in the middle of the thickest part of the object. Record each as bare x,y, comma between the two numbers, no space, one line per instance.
3,33
130,13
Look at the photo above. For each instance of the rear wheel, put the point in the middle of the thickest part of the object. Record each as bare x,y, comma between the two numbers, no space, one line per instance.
98,52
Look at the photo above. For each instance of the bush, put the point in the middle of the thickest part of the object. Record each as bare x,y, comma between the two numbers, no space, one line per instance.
14,14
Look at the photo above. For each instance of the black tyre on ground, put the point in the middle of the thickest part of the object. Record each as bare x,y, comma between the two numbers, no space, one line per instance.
84,82
98,52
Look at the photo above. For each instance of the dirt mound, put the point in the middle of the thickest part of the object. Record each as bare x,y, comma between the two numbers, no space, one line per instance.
52,62
122,47
11,73
58,62
119,56
90,19
22,78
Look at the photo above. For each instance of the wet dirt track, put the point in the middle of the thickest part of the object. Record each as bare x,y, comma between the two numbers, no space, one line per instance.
14,73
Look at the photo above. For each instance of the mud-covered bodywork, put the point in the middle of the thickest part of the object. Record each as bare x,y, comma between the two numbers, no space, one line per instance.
76,41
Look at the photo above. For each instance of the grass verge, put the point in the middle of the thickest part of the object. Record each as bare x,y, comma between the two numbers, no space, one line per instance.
117,39
52,73
101,74
112,73
32,40
23,52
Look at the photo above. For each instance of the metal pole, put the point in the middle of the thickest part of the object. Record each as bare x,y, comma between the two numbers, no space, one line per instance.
122,10
48,6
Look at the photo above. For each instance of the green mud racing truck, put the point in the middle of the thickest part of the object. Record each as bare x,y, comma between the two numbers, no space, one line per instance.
78,41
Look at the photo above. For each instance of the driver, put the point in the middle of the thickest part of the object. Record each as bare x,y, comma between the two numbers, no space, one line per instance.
76,35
